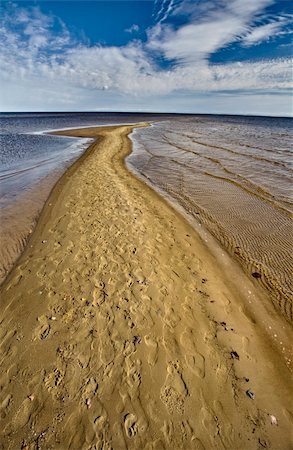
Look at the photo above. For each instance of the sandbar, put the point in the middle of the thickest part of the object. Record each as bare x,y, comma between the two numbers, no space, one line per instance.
121,330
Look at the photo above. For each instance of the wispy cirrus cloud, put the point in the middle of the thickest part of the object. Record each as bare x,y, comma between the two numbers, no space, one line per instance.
267,31
163,8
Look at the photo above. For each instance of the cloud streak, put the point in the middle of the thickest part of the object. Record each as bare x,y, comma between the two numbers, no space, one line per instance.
266,32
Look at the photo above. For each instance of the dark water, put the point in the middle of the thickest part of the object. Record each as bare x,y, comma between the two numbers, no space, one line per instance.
233,175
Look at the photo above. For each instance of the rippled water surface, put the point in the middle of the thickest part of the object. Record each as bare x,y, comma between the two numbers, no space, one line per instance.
234,176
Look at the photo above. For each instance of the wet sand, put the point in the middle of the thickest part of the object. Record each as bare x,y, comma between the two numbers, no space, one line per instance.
18,220
120,329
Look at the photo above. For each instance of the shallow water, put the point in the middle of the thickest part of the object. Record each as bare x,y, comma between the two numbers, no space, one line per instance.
233,175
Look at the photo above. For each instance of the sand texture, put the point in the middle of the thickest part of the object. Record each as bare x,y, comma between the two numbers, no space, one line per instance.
120,330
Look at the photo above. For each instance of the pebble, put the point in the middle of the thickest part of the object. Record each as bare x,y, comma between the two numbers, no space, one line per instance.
273,420
234,355
256,275
44,241
250,394
136,339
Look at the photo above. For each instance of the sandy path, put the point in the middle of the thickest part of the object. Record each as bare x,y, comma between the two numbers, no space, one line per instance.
119,330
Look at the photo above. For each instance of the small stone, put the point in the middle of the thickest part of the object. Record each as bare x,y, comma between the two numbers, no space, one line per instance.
88,403
256,275
273,420
234,355
31,397
53,318
44,241
250,394
136,339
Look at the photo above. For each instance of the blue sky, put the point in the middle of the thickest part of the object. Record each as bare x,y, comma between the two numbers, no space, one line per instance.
201,56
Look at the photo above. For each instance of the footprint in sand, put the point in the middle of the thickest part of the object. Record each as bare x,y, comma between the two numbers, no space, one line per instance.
194,360
209,422
89,391
133,369
24,413
171,318
77,430
53,380
170,343
180,434
130,424
43,329
101,429
196,363
5,405
168,431
174,390
146,310
227,430
107,353
152,349
99,422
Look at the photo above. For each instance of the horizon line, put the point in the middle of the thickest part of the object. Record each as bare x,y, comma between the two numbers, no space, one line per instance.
149,112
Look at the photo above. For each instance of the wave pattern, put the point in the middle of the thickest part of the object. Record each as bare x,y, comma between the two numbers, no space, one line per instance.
234,176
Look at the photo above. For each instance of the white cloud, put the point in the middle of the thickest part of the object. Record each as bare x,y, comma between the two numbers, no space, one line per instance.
39,66
133,29
165,9
194,42
265,32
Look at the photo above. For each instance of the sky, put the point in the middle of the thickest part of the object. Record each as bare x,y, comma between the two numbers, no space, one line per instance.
193,56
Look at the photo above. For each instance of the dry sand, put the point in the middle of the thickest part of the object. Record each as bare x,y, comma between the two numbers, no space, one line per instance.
119,329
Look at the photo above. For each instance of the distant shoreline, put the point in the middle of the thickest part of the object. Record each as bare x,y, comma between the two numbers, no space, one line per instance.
150,113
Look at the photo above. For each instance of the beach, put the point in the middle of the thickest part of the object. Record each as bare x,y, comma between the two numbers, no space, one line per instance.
121,329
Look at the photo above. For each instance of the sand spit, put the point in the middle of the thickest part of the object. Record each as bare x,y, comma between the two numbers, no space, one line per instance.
120,331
